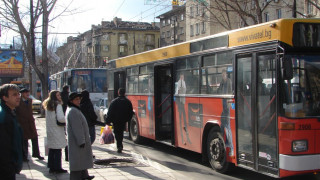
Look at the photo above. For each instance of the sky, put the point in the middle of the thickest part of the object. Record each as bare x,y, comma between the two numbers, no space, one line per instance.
92,12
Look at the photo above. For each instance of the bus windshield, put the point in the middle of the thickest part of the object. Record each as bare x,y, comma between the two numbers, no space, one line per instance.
81,80
99,81
301,94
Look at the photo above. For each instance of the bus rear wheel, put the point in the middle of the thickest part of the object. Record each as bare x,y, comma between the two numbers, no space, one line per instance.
134,130
216,151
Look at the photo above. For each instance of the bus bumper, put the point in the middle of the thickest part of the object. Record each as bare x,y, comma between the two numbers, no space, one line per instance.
299,162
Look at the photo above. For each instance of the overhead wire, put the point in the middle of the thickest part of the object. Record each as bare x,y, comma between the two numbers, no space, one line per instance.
119,8
163,1
148,9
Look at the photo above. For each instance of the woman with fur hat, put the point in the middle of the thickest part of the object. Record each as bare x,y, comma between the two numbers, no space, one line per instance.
79,143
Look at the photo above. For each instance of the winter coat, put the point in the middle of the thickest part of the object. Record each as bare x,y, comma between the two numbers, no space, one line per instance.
119,112
56,138
11,142
87,110
64,97
26,120
78,133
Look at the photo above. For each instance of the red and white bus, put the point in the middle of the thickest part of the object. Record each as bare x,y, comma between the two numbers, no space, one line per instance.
248,97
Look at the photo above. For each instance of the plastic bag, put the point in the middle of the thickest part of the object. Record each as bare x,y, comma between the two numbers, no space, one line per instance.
107,136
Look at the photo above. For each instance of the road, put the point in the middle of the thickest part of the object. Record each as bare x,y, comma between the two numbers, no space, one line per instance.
189,164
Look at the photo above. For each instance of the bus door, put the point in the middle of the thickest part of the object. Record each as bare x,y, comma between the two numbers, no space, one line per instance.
256,111
163,94
119,82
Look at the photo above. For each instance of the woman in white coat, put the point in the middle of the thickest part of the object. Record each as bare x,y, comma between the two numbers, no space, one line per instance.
56,138
79,143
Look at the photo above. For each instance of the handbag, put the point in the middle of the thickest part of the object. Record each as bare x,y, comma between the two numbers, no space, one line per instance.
59,123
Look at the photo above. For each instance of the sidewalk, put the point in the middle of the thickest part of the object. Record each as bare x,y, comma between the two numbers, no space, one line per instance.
112,166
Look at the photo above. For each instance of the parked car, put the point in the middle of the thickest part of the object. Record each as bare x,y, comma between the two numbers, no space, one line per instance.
101,109
36,104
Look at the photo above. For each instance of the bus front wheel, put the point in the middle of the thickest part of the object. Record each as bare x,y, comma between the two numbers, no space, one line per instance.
134,130
216,151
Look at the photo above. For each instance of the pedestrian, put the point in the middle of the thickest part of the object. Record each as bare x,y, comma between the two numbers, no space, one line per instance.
27,122
64,96
56,138
119,113
79,143
11,138
87,110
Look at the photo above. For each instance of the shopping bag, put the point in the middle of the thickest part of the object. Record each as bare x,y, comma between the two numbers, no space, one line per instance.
107,136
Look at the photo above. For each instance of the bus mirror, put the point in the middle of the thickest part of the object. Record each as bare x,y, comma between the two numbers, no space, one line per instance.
287,70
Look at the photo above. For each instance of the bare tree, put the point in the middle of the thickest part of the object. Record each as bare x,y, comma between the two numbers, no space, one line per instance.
14,15
247,12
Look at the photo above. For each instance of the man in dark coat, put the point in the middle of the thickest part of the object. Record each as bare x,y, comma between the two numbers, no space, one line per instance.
119,113
10,133
64,96
87,110
27,122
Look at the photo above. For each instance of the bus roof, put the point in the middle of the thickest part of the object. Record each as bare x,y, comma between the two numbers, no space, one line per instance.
280,30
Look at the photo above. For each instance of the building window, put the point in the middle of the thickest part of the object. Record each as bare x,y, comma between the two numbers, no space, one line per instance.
203,27
309,7
168,34
122,50
163,34
197,29
181,17
197,9
123,38
163,22
191,30
149,39
279,13
168,21
105,48
266,17
105,37
181,30
191,11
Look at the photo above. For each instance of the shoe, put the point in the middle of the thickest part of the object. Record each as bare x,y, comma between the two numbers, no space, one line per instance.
119,151
61,171
39,157
89,177
51,171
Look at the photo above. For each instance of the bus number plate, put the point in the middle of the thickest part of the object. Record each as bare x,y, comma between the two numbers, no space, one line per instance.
304,126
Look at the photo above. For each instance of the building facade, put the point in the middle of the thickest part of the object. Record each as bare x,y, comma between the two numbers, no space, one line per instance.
207,17
173,26
109,40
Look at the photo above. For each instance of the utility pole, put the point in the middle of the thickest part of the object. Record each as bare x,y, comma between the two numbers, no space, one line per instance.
294,9
33,49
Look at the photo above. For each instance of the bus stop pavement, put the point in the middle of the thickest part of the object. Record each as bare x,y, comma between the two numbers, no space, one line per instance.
108,164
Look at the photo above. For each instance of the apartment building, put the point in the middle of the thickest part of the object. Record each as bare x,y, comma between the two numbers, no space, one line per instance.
109,40
173,26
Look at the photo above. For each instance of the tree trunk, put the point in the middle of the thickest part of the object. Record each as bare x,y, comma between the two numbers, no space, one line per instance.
45,73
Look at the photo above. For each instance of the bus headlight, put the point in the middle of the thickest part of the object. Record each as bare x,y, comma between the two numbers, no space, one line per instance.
299,145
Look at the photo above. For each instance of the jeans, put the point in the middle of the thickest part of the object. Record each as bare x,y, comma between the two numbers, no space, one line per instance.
54,159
